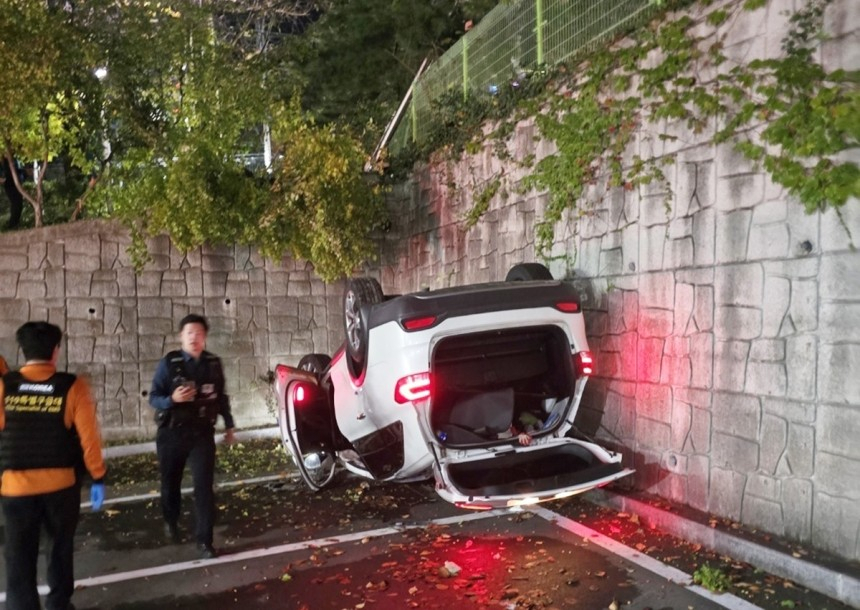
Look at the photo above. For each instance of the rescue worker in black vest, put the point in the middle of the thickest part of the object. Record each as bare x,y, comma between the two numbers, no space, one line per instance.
48,424
188,396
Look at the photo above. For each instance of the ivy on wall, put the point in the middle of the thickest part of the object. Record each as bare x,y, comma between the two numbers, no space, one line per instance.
787,115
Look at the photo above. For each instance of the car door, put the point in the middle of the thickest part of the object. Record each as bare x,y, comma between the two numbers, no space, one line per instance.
304,420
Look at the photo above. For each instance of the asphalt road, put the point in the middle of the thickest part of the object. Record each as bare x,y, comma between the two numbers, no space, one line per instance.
362,546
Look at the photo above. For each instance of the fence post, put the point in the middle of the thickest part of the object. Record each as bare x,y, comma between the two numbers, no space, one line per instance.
413,115
465,67
539,31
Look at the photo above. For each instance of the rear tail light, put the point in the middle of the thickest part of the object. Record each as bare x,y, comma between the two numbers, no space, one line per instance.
584,364
302,393
419,323
412,387
568,306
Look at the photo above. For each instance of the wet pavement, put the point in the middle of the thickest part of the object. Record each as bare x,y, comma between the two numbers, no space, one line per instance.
358,546
365,545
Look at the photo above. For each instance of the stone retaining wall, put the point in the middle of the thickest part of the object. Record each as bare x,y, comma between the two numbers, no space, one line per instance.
726,329
118,324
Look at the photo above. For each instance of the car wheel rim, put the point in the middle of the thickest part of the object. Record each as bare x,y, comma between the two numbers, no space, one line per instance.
353,321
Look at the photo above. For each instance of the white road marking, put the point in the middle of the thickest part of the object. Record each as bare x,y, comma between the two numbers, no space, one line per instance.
726,600
107,579
187,490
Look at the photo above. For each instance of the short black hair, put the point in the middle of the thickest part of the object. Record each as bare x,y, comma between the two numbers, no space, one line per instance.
38,339
193,318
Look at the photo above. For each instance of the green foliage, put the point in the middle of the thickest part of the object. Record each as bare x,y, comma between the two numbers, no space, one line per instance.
482,202
179,123
786,114
717,17
713,579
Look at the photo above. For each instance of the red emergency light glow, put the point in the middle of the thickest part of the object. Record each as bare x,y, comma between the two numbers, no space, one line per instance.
301,394
412,387
568,306
419,323
584,364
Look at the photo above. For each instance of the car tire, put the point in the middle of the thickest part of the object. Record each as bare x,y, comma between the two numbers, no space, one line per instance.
358,295
525,272
314,363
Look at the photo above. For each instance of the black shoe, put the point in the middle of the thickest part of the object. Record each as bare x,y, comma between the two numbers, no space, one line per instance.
171,532
207,551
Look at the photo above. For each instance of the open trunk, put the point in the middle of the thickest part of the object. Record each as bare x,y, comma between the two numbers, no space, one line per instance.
490,386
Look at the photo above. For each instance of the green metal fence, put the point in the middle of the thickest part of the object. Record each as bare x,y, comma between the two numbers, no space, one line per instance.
513,39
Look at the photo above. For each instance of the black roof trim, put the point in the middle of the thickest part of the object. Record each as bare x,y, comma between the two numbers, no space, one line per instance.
476,298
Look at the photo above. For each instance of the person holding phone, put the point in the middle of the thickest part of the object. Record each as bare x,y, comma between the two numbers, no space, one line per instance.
188,396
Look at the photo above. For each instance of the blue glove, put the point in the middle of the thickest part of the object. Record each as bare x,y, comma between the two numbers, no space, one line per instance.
97,495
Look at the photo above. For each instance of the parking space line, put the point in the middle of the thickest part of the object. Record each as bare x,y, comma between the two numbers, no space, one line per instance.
106,579
726,600
187,490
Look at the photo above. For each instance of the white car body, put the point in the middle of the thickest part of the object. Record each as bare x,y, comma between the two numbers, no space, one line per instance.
504,349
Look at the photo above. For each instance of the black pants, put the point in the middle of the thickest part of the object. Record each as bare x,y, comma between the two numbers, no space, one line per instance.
175,447
25,515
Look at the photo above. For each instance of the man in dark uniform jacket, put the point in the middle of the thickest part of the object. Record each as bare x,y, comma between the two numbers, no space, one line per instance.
188,396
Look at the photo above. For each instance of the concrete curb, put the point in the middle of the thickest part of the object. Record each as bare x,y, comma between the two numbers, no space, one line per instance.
242,435
841,586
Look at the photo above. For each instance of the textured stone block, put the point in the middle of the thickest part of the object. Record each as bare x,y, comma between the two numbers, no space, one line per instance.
737,323
837,475
762,513
726,492
737,414
775,305
651,248
800,450
839,382
797,508
730,361
768,241
655,323
654,402
732,236
801,361
839,277
704,237
836,522
649,360
766,378
768,350
836,431
739,285
774,438
657,290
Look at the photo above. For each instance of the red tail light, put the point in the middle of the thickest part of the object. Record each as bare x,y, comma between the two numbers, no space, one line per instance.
419,323
302,393
412,387
584,364
568,306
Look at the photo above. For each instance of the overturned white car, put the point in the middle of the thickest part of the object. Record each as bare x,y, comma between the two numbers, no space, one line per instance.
475,386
